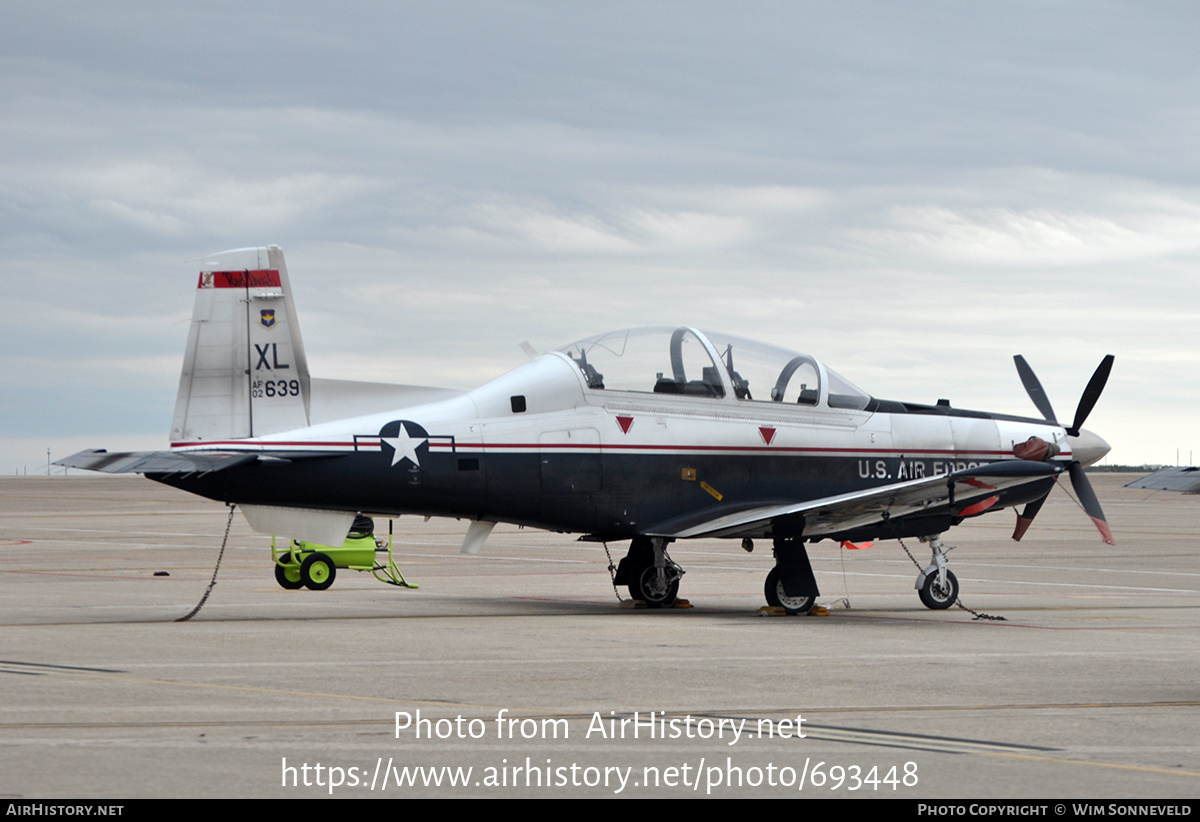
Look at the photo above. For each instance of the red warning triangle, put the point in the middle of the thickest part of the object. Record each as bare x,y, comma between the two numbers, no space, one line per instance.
625,423
767,434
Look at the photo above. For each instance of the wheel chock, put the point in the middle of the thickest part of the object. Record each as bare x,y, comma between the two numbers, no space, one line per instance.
775,610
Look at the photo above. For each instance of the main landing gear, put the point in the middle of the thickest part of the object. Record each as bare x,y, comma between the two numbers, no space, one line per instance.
936,584
791,584
651,575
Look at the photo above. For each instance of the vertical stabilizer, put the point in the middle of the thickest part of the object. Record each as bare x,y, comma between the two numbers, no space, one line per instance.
244,372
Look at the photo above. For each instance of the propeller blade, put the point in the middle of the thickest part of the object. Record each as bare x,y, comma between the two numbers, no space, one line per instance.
1034,389
1025,518
1090,394
1087,498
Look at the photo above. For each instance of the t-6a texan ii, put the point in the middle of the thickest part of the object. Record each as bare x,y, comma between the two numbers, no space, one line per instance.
647,435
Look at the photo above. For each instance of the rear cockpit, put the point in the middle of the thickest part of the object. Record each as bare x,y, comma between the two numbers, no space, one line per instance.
688,362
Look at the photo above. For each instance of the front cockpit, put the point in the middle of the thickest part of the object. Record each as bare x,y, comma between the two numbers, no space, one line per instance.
688,362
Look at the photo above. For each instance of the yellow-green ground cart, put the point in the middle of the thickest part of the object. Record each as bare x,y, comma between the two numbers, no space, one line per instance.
313,566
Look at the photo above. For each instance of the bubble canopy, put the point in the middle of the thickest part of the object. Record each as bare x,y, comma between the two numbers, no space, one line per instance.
689,362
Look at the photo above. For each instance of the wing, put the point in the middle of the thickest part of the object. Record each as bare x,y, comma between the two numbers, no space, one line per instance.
967,492
1186,480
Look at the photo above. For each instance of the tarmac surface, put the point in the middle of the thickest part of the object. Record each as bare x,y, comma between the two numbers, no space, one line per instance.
1087,689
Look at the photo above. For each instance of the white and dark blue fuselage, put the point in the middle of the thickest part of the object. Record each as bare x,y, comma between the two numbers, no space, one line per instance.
540,447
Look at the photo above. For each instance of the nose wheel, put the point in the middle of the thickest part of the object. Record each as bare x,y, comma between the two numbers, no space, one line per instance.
939,595
936,584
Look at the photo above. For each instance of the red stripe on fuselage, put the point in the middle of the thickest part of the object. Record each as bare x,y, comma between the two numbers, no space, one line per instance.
259,445
533,446
895,452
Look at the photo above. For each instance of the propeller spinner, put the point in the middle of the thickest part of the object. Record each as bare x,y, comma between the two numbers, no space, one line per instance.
1086,447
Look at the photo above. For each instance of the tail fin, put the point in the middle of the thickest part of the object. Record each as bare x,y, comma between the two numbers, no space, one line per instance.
244,372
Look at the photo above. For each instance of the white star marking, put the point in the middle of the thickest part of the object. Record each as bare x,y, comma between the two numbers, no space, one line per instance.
405,447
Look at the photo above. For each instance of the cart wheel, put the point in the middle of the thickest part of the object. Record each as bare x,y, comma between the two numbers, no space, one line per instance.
288,576
317,571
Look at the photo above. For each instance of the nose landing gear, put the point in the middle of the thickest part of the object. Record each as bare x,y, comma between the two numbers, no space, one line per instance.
936,584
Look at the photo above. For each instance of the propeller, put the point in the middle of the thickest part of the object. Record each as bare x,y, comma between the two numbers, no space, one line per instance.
1086,447
1090,394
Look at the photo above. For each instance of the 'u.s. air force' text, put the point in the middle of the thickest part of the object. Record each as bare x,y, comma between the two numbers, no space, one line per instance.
912,469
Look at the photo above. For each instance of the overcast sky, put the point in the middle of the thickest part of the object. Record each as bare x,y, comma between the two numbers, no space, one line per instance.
912,192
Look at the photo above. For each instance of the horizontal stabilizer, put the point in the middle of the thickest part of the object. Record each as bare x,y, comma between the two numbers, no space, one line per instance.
154,462
179,462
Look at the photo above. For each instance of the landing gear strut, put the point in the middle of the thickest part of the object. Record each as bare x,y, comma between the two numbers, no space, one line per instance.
652,576
936,584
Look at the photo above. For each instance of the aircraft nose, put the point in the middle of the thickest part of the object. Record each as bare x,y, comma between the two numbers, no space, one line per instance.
1088,448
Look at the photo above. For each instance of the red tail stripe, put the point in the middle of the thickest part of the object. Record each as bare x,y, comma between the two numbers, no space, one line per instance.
263,278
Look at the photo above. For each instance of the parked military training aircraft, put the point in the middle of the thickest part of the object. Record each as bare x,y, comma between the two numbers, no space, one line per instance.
647,435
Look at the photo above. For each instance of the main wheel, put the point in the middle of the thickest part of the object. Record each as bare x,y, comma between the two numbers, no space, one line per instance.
288,576
650,589
935,596
317,571
778,598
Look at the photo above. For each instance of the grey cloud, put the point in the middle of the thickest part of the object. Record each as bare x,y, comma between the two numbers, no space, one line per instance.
913,191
